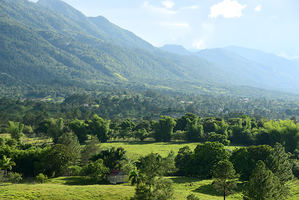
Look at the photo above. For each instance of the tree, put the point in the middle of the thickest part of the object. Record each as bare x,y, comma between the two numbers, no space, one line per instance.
15,129
263,185
245,159
183,161
136,177
70,140
112,157
194,130
99,127
141,134
6,164
96,170
57,159
91,148
52,127
80,128
151,166
279,163
206,156
164,129
224,175
161,189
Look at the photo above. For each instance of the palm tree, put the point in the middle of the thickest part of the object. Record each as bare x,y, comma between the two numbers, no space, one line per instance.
136,177
6,164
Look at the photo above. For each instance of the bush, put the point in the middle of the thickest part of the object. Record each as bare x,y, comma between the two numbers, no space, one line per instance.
14,177
214,137
74,170
41,178
179,135
192,197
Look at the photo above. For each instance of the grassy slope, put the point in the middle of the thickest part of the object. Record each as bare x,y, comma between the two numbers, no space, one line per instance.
62,189
137,149
68,188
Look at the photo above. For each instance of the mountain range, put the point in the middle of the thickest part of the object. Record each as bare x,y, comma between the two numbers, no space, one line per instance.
49,47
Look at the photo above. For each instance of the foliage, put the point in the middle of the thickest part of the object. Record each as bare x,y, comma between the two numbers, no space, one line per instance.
16,130
112,158
224,175
96,171
245,159
206,156
192,197
70,140
99,127
163,129
41,178
263,184
57,160
14,177
6,164
91,148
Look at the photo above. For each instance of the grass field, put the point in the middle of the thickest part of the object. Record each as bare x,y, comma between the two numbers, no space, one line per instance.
137,149
67,188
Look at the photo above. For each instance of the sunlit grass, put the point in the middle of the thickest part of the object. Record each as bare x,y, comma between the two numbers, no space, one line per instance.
65,188
137,149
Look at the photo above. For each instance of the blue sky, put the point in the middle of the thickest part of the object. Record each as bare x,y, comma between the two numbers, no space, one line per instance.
269,25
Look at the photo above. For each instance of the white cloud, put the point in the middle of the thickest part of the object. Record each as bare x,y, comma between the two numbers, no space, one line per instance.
168,4
199,44
156,9
175,25
258,8
193,7
227,9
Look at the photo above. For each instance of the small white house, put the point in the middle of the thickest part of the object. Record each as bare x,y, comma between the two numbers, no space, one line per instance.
116,176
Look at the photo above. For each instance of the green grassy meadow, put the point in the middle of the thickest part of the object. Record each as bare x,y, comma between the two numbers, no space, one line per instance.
65,188
137,149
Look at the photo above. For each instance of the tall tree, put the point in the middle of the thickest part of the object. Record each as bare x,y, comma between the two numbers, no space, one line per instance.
99,127
164,129
279,163
225,177
15,129
263,185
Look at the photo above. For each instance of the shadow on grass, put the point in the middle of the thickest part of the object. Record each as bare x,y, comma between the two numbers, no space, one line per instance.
184,180
150,142
78,181
207,189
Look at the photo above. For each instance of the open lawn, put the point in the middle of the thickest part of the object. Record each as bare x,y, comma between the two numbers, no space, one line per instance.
65,188
137,149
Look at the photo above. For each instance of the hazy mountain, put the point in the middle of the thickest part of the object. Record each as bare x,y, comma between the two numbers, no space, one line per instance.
51,48
177,49
254,67
51,44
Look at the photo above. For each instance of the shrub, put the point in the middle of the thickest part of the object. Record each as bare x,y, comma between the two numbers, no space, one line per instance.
192,197
41,178
74,170
214,137
14,177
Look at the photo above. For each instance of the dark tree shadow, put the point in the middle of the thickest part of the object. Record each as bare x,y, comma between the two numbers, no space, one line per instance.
78,181
207,189
182,180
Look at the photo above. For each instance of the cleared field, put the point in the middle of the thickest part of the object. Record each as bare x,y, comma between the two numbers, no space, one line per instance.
69,188
137,149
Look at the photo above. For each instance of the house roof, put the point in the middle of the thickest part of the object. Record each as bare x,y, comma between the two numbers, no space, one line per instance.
116,172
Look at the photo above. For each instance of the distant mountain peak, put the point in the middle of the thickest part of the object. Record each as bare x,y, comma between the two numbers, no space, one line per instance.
176,49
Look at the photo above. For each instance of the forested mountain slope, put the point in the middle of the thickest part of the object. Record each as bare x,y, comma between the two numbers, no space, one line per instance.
50,48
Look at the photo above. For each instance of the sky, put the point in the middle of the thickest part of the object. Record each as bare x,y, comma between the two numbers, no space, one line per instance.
268,25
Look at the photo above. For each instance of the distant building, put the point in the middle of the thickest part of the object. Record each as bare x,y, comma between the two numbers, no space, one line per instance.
116,176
